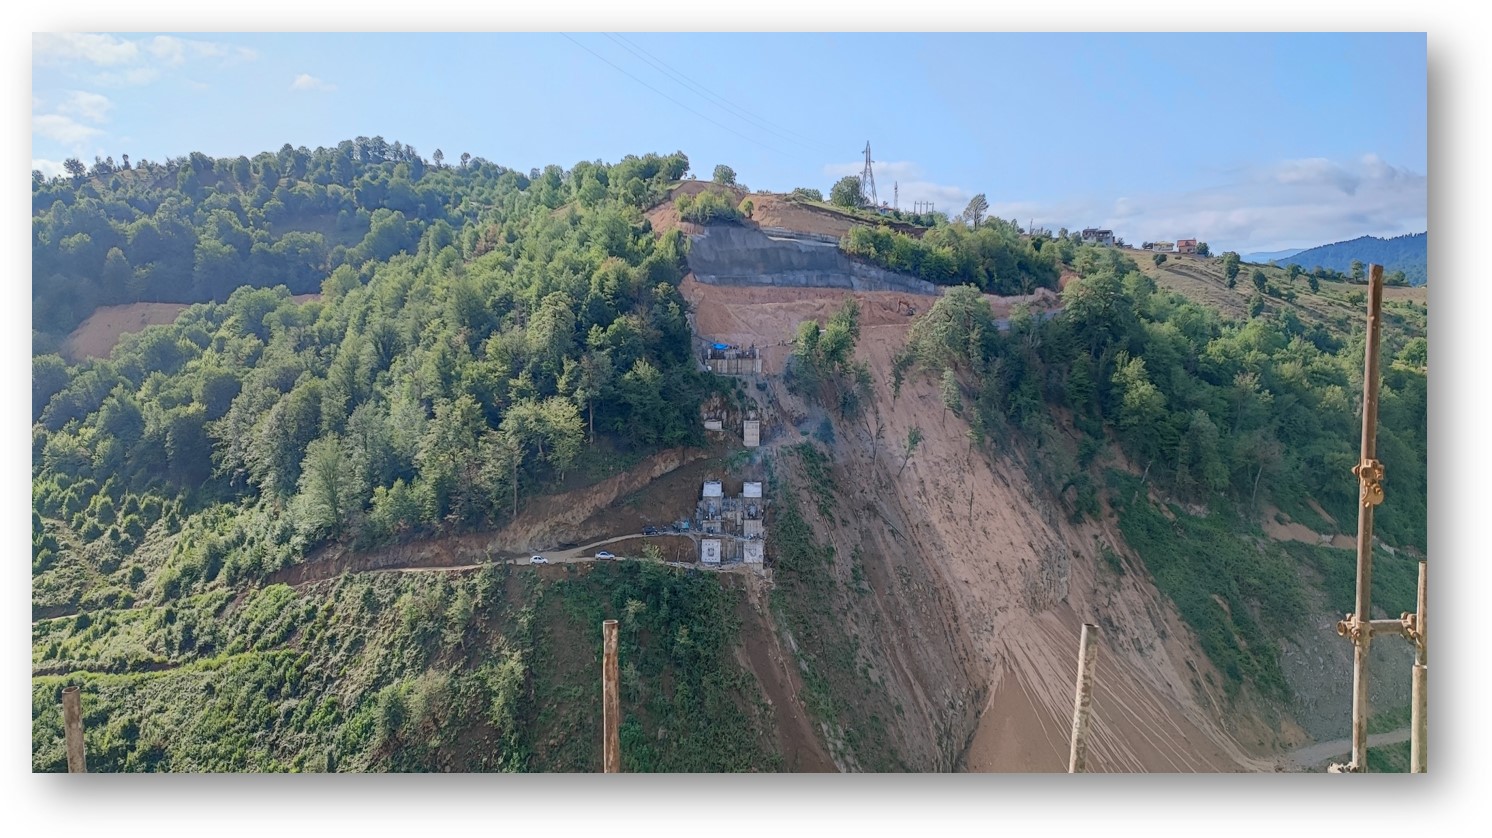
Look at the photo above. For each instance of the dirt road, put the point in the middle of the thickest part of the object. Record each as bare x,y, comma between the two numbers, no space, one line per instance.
1313,755
577,555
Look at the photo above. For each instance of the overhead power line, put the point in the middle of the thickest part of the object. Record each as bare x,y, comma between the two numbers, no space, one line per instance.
760,122
672,99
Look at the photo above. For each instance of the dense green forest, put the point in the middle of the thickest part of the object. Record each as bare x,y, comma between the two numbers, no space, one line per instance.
434,384
194,228
1224,415
994,257
1407,254
496,336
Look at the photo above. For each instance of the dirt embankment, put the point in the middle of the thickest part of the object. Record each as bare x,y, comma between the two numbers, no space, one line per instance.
1023,580
551,520
768,317
974,587
543,524
762,653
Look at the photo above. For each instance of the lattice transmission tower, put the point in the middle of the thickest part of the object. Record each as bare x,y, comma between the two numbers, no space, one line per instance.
868,179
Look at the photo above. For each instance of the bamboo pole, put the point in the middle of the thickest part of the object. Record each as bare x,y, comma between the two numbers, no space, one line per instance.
611,753
1418,731
72,728
1370,475
1082,704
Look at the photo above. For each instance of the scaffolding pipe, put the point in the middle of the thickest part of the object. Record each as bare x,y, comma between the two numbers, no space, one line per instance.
1418,731
1082,705
611,753
72,727
1370,475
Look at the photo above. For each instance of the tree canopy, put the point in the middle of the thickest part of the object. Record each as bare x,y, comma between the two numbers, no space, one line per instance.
450,369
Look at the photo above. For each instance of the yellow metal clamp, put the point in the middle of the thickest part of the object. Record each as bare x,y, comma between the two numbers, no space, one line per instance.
1411,625
1370,474
1353,629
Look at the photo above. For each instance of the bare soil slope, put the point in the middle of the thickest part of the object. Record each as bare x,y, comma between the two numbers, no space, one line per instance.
769,210
977,587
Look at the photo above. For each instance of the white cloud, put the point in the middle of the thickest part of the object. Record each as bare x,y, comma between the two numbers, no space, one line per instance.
306,81
133,77
908,176
50,168
101,50
131,62
61,128
168,49
1316,171
175,51
1289,203
84,105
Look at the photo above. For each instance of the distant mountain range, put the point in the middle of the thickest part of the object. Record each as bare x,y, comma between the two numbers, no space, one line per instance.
1400,253
1273,255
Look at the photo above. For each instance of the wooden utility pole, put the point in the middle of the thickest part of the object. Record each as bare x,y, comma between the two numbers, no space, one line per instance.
1082,704
611,704
72,728
1369,471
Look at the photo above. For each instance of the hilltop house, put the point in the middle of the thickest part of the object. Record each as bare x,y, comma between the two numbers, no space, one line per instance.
1093,235
1186,245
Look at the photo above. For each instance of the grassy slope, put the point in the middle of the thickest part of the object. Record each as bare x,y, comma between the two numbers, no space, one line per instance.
1336,305
812,603
1221,571
484,671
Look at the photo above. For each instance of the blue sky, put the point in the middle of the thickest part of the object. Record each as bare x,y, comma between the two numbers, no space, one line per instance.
1251,142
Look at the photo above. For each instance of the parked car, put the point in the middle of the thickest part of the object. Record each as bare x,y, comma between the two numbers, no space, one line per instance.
605,555
650,530
537,560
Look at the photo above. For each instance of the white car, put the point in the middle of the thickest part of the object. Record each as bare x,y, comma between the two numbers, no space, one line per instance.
537,560
605,555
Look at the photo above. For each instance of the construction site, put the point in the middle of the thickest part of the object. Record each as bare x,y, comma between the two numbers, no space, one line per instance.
960,592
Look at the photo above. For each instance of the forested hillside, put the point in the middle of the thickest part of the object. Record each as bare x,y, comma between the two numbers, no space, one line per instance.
445,372
1219,417
993,257
1409,254
194,228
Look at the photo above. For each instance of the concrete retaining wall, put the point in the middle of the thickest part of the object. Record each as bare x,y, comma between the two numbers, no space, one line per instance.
738,255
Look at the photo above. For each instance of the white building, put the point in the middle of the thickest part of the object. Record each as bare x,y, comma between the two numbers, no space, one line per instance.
713,489
751,433
709,550
754,551
752,490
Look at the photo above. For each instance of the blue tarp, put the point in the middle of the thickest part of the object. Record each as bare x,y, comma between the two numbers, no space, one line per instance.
722,346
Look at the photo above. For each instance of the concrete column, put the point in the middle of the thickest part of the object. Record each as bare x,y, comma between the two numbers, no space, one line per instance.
72,728
611,704
1082,705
